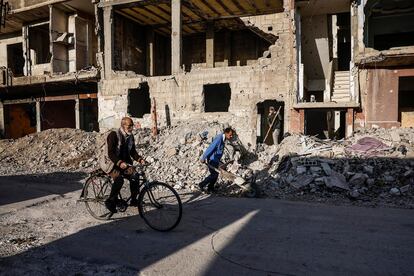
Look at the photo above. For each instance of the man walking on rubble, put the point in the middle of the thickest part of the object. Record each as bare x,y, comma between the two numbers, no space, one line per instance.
212,158
118,150
275,123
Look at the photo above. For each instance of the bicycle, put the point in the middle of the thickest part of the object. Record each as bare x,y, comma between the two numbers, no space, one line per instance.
158,203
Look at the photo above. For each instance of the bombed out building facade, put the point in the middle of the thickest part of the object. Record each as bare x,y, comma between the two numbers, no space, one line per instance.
329,67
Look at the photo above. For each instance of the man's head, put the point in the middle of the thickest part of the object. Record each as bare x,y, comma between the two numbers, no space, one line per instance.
271,109
127,125
228,133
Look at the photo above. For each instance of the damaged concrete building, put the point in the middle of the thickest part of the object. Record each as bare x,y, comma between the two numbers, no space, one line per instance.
48,59
328,66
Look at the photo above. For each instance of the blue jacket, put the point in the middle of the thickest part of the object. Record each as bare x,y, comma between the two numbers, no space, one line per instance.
214,152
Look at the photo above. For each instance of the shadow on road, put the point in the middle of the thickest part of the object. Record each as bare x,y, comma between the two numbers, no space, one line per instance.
19,188
231,236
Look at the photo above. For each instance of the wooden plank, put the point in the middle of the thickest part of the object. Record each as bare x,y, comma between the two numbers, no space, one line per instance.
149,15
203,8
211,7
155,15
129,17
237,5
194,9
160,11
140,17
224,7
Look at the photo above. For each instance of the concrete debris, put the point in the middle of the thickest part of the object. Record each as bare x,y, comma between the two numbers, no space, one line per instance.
395,191
358,179
292,170
336,181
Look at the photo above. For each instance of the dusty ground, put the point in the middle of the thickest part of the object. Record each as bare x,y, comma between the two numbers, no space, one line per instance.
44,231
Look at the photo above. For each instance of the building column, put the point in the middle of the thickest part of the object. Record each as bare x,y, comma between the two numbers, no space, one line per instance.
38,117
227,49
210,45
150,52
77,114
176,38
2,125
108,40
349,122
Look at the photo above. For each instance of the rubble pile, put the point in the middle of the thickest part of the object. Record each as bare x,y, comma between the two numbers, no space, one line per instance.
47,151
375,165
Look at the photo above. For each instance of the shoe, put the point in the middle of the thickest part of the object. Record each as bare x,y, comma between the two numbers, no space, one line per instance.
201,187
110,205
133,202
211,189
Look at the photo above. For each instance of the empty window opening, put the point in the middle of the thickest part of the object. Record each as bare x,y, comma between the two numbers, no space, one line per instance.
325,124
39,44
58,114
217,97
389,24
139,102
406,101
265,120
15,59
19,120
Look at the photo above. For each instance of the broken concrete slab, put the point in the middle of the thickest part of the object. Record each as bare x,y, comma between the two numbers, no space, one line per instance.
302,181
336,180
358,179
326,168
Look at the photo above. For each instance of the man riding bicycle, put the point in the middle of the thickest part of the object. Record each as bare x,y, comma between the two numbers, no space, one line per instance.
118,153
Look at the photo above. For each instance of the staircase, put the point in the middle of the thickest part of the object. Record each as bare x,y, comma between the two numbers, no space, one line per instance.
341,91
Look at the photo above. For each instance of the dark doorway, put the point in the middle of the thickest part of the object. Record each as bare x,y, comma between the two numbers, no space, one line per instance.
217,97
406,101
325,123
58,114
19,120
139,102
263,133
15,59
89,114
344,40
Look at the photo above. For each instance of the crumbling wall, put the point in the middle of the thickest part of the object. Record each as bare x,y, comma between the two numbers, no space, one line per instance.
271,77
379,95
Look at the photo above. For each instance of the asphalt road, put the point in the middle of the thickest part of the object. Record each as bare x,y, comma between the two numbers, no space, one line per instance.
226,236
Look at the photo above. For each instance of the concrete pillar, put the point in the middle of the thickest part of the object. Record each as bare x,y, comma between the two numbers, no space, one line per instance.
349,122
176,38
2,125
108,40
227,49
288,5
38,117
150,52
77,114
210,45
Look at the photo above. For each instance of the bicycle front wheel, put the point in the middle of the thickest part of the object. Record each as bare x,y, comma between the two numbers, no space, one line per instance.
160,206
97,190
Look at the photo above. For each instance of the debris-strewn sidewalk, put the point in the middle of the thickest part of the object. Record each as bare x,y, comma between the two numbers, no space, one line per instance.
375,166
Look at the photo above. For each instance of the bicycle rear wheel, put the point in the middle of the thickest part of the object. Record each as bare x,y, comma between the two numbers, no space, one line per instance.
97,189
160,206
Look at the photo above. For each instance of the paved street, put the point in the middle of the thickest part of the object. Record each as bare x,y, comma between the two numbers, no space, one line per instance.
225,236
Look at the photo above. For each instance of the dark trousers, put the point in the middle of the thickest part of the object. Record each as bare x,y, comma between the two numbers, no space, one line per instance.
118,177
211,179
